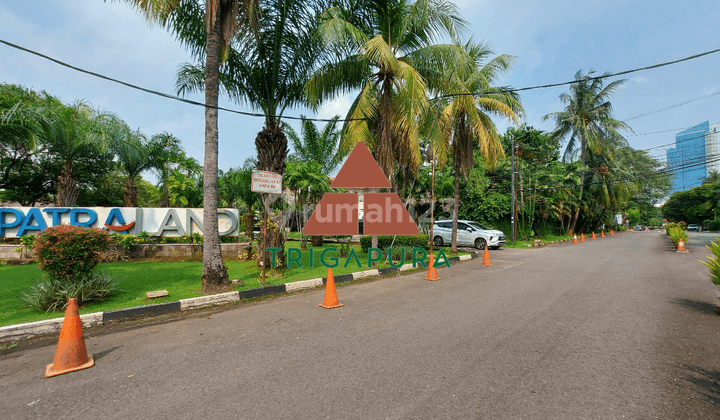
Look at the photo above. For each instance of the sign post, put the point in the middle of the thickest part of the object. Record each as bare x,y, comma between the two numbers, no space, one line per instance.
266,183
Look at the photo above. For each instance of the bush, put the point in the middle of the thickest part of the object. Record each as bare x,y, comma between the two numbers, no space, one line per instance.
53,294
385,241
714,263
622,228
126,241
676,231
67,252
397,253
713,225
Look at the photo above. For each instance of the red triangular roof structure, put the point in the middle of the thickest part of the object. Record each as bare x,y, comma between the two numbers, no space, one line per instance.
360,171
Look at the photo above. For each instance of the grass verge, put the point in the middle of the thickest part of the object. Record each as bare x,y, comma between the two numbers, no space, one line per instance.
180,279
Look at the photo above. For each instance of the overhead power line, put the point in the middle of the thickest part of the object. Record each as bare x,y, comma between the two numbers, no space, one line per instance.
157,93
255,114
673,106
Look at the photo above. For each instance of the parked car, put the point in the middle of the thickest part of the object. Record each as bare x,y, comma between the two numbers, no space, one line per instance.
468,233
694,228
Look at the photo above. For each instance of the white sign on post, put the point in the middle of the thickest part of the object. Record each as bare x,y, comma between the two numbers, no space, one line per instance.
266,182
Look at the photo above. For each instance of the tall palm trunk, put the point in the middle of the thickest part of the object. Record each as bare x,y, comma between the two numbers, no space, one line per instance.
67,188
271,145
214,277
130,195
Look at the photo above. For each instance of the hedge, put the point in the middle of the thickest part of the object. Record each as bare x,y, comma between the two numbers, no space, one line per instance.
384,241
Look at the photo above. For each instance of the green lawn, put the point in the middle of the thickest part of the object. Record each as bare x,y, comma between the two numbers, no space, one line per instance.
180,279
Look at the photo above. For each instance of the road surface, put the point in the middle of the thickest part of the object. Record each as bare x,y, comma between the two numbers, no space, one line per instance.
616,327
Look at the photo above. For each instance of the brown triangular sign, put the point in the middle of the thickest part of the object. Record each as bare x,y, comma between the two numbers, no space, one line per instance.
360,171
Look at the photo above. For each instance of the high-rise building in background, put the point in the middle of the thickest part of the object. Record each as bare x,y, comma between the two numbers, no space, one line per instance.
695,156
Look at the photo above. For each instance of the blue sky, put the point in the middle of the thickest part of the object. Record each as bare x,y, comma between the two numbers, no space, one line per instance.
550,40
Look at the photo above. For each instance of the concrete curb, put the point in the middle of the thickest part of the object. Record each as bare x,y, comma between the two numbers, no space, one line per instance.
33,329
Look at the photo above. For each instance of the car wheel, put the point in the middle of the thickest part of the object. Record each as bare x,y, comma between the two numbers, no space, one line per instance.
480,243
438,241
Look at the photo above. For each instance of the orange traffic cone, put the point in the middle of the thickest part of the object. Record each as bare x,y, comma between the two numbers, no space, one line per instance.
681,245
432,272
71,354
331,299
575,239
612,233
486,257
582,237
602,233
593,235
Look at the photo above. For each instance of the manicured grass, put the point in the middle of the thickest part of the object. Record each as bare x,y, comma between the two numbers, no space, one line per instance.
180,279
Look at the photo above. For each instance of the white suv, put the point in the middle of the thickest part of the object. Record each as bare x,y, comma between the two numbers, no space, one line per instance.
468,233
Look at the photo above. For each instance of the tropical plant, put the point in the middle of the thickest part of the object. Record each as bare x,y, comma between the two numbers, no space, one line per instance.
268,69
308,184
587,120
208,38
466,116
318,146
387,51
168,156
135,153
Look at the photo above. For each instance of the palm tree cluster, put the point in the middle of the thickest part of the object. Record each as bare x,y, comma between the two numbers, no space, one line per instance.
63,153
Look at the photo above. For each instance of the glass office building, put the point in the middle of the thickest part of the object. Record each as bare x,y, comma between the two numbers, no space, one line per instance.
694,157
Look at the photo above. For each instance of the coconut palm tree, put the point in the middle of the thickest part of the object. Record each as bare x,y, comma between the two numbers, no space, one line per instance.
209,41
587,120
466,116
387,51
268,70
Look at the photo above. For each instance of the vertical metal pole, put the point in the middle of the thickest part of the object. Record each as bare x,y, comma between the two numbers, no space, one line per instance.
432,202
513,235
265,218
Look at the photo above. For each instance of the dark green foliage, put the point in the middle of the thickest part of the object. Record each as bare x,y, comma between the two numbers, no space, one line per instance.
385,241
53,294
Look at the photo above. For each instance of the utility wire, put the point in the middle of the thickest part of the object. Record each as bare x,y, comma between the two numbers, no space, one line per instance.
254,114
673,106
161,94
604,76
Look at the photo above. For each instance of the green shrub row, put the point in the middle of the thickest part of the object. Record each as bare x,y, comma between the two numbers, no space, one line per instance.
385,241
676,231
714,263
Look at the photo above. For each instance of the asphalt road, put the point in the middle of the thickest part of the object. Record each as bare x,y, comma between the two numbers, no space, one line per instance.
616,327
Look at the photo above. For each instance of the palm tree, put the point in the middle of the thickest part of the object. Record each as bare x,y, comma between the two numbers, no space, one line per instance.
309,184
168,155
268,70
387,52
318,146
77,132
222,20
588,120
135,153
24,124
236,189
465,118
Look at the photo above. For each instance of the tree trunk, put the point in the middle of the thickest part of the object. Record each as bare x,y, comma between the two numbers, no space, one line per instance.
316,240
67,188
571,228
214,277
165,197
249,224
271,145
456,210
130,195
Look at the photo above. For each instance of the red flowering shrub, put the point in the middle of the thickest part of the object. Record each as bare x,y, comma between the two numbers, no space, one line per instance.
68,252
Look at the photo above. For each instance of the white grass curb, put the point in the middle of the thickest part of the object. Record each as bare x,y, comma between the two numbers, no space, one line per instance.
365,274
204,301
48,326
305,284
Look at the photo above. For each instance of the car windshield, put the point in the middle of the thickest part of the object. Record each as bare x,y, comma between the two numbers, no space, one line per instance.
479,226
